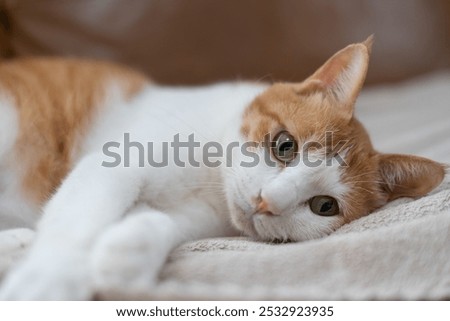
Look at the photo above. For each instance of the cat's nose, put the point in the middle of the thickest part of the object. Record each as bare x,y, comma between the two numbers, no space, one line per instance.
265,208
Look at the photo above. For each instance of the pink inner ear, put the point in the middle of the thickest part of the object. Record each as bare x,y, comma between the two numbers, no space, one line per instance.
329,72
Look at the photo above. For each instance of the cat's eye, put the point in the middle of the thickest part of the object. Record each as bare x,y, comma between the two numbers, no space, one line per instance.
324,205
284,147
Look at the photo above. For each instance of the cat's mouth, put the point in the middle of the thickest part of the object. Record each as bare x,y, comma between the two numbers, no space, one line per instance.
258,226
243,220
269,228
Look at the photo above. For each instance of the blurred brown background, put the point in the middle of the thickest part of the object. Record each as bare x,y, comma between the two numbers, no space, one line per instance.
199,41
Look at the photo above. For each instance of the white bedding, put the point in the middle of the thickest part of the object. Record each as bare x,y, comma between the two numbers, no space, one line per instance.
402,251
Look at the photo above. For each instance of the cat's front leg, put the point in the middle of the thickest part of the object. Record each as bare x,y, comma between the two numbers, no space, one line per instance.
90,198
128,257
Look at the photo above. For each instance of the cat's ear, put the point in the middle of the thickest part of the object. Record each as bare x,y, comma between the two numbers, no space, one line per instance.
342,76
408,176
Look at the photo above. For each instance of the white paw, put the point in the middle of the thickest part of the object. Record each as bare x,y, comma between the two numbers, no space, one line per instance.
40,280
126,259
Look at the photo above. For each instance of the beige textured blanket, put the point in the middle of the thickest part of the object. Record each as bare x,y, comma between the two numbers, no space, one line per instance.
402,251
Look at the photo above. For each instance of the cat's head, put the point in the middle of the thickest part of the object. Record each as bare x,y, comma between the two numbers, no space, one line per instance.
317,169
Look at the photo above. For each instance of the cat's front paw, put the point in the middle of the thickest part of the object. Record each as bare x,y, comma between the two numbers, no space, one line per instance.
125,262
46,281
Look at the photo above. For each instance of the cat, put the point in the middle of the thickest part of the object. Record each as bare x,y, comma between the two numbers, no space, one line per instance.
74,146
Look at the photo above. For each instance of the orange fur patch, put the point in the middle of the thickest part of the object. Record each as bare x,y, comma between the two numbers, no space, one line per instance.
56,99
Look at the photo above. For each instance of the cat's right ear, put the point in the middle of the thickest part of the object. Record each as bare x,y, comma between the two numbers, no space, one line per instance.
342,76
408,176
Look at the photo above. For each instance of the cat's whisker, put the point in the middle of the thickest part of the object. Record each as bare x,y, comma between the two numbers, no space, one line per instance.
262,78
371,181
364,189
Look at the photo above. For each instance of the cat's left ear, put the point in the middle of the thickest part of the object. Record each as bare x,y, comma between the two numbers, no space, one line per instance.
342,76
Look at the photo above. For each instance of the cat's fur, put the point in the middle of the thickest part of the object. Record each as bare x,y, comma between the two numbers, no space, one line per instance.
104,227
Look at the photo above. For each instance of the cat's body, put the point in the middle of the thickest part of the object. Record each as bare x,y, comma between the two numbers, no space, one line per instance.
153,114
112,224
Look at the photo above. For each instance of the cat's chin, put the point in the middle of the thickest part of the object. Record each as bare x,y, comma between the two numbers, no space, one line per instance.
279,229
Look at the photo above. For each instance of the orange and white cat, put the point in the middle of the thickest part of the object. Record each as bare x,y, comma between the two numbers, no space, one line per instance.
107,218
